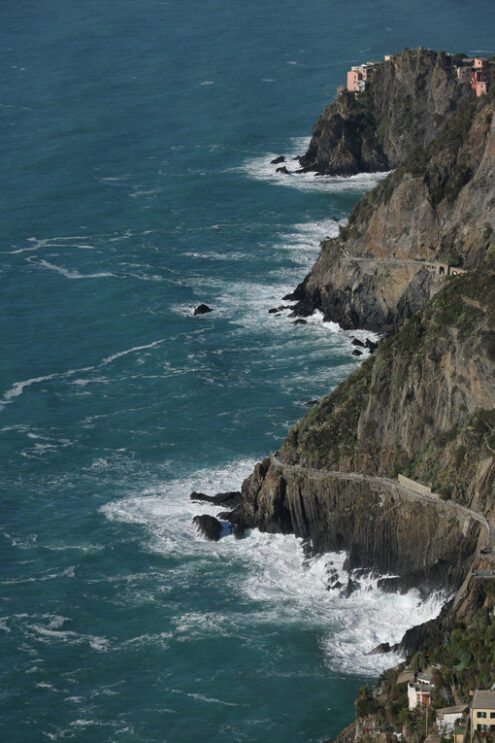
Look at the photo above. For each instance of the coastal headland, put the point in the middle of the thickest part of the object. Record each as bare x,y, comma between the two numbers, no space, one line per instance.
396,466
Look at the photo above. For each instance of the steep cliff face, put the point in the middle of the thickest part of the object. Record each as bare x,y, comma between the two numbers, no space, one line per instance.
412,539
423,406
437,207
406,102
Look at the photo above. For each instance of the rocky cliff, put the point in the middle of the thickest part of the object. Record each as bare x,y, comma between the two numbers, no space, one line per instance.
437,207
406,101
423,406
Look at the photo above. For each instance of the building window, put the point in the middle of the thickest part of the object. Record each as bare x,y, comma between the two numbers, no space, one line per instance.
481,728
492,715
492,728
481,714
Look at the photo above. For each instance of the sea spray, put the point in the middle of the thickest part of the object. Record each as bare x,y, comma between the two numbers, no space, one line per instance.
274,579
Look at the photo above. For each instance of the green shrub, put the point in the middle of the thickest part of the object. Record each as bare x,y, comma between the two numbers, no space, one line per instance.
365,707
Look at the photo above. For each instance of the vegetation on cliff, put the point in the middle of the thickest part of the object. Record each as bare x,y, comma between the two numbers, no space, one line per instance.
462,656
423,405
437,206
404,105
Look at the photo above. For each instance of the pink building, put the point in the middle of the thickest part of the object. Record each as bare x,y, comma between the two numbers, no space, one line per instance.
355,81
474,72
357,77
479,88
480,62
478,81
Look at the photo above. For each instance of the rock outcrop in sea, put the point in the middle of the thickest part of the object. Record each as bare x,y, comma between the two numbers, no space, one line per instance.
406,102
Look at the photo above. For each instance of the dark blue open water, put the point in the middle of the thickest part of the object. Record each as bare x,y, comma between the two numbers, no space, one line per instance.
136,140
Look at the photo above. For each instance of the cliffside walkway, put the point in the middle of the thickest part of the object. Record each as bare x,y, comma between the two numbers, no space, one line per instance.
439,269
395,488
484,574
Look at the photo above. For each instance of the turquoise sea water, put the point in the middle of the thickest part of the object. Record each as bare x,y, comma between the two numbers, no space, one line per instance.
136,147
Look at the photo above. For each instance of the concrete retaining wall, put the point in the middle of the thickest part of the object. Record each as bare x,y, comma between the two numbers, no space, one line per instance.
415,486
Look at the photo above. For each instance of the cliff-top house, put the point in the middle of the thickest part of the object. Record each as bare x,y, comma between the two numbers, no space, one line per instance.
358,75
473,72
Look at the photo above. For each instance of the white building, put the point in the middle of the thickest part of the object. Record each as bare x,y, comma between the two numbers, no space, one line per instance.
419,691
448,716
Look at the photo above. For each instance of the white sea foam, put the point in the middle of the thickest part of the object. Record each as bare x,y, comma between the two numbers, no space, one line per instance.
262,168
18,388
278,584
50,629
204,698
165,509
134,349
58,242
74,274
65,573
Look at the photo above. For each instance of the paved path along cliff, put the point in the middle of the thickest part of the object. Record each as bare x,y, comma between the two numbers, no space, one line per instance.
441,269
396,489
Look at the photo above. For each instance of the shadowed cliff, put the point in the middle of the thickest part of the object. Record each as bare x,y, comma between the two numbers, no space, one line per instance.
437,207
406,102
423,406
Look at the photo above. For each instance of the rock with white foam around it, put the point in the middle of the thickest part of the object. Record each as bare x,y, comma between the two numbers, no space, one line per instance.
208,526
202,309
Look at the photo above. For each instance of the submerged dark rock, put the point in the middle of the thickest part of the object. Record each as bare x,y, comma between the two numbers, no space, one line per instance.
283,169
208,526
383,647
357,353
277,160
202,309
351,587
357,342
311,403
389,585
231,499
300,321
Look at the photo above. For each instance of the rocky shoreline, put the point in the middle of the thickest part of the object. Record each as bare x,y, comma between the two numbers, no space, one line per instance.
415,262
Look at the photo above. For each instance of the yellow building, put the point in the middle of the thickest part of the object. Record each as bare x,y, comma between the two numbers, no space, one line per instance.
483,712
